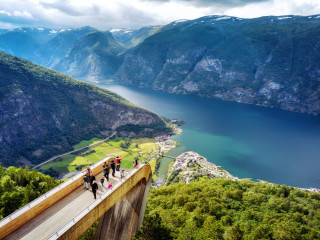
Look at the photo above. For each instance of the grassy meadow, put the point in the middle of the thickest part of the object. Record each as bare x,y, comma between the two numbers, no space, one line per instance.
129,150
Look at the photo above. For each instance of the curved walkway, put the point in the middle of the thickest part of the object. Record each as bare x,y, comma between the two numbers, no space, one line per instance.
49,221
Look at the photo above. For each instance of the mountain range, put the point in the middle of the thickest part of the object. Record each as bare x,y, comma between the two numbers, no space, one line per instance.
44,112
269,61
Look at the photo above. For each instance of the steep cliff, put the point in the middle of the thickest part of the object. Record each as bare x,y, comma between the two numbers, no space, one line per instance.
269,61
43,112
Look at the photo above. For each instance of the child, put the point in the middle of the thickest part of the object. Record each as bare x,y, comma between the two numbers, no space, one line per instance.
122,173
85,182
102,181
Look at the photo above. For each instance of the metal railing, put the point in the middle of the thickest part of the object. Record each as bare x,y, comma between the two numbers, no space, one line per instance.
83,213
38,200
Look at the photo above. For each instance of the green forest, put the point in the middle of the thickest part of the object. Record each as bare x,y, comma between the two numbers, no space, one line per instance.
205,209
226,209
19,186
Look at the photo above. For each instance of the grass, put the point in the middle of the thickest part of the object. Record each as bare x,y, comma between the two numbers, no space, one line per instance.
85,143
138,148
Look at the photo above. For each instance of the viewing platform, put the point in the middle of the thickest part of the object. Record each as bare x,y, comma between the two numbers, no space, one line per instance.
68,210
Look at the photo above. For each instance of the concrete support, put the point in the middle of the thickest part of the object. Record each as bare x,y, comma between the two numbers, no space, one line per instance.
125,217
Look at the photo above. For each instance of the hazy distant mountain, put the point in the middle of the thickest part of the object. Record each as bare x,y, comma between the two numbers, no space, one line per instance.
43,46
52,51
130,37
94,57
21,42
270,61
44,112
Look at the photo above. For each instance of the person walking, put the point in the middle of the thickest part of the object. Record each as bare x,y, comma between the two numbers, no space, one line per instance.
92,178
106,171
113,166
94,189
118,161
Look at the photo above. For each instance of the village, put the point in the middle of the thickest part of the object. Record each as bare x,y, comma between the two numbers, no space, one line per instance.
192,165
164,143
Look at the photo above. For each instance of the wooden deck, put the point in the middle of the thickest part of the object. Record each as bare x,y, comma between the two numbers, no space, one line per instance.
53,218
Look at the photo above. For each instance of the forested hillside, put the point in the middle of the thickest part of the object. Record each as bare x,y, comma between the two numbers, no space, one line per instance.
19,186
226,209
44,112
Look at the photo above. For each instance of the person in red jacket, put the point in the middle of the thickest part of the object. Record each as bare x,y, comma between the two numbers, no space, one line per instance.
118,161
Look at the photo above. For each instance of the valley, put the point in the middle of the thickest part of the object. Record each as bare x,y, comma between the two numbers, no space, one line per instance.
267,61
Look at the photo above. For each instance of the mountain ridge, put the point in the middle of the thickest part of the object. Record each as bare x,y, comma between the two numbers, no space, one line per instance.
44,112
268,61
253,61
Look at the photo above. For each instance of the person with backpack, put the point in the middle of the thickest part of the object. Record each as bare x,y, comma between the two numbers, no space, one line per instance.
106,170
94,189
113,166
88,173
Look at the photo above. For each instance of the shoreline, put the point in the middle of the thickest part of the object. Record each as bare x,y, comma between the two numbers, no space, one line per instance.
190,165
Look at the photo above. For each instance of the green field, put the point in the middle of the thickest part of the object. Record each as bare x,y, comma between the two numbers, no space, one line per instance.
85,143
134,148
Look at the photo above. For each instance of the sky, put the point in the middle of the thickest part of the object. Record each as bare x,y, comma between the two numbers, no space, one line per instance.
106,14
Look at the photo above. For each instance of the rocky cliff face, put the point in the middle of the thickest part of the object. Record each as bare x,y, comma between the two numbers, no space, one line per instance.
269,61
43,112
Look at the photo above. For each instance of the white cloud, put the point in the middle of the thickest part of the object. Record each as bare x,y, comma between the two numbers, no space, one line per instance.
277,8
5,13
104,14
23,14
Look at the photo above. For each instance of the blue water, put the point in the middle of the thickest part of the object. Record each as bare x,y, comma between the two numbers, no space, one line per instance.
248,141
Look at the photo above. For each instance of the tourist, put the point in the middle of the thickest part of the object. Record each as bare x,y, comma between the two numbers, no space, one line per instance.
107,171
102,181
104,167
113,166
122,173
94,188
118,161
92,178
85,182
88,173
135,163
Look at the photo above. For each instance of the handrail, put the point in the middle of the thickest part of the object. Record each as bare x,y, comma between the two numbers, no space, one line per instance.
80,215
41,198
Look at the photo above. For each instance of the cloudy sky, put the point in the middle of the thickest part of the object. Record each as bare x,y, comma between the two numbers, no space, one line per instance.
105,14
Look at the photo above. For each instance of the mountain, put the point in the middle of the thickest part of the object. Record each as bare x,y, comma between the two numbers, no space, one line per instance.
43,46
18,43
95,56
132,37
44,112
268,61
50,52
